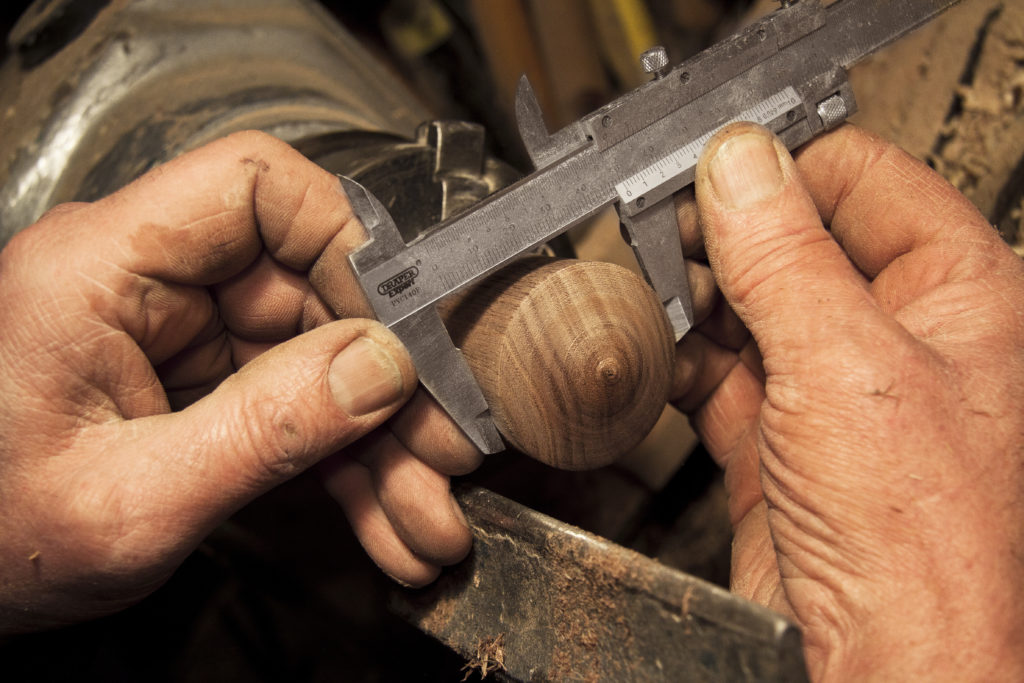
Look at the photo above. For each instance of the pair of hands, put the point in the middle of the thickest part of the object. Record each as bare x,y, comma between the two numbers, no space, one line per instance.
865,422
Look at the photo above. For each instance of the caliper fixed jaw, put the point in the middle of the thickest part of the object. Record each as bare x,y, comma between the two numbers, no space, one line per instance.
545,149
442,368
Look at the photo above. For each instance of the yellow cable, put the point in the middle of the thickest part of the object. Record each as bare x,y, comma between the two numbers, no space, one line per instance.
637,27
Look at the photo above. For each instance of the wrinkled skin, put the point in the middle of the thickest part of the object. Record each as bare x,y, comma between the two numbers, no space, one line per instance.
116,312
869,422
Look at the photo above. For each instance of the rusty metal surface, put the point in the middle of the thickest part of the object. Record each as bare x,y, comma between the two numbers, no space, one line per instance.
539,600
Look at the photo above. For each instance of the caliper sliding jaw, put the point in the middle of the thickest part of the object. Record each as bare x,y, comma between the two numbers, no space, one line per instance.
786,72
441,367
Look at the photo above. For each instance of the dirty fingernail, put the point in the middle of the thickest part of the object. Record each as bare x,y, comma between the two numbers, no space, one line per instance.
364,378
745,170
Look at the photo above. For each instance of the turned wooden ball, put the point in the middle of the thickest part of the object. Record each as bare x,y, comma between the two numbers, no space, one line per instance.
574,357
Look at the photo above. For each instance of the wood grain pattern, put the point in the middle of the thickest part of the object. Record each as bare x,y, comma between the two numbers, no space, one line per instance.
574,358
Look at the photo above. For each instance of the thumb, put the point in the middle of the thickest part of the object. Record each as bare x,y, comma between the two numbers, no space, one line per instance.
778,267
290,407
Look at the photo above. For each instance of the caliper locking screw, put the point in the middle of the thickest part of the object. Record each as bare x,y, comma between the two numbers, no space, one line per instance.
655,61
832,111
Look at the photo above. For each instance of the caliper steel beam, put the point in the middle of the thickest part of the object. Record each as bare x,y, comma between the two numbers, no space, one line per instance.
787,72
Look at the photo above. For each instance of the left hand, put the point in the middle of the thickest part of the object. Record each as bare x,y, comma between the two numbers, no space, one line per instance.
189,281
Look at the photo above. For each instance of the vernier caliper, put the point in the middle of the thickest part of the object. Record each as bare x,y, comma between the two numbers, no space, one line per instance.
787,72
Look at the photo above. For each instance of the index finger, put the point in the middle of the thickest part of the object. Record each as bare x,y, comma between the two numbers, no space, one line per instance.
880,202
206,215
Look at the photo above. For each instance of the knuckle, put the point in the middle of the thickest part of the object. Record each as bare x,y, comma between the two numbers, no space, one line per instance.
463,457
62,211
456,454
780,255
256,142
34,240
279,444
428,432
36,258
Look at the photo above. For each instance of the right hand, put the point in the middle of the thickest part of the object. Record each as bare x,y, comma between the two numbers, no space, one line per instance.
870,421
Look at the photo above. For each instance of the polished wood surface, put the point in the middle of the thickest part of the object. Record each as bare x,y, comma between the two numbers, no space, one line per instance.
574,357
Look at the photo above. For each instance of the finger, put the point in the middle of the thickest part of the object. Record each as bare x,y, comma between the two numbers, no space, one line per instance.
417,500
722,326
785,277
197,371
351,485
881,202
270,302
704,293
700,367
315,313
426,430
297,403
723,393
755,567
264,302
244,192
728,425
244,351
332,277
689,224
